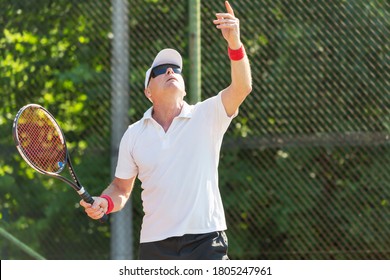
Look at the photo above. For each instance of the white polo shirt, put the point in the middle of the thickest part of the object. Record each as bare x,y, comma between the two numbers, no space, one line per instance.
178,170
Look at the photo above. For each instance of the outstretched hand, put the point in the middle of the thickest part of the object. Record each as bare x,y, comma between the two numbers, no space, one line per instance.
230,26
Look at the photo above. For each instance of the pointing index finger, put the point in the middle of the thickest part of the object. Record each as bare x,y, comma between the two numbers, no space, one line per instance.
229,8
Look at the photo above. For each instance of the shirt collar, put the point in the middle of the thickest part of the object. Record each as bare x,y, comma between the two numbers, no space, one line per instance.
186,112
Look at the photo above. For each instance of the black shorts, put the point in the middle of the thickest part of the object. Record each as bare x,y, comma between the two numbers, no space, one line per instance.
207,246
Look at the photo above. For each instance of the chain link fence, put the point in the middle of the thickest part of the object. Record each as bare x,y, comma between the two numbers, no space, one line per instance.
304,170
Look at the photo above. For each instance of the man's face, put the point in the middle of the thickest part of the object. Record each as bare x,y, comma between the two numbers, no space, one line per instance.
166,80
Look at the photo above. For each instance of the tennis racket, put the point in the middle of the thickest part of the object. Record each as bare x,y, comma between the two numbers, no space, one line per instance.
41,142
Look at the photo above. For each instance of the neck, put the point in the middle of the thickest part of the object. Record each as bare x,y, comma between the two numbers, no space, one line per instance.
164,115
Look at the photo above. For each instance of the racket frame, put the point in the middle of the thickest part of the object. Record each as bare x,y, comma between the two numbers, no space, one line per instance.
76,185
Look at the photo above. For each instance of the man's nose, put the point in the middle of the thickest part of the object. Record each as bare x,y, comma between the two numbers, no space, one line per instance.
169,71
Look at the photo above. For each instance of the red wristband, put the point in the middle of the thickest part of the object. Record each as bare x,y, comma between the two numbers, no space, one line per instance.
110,203
236,54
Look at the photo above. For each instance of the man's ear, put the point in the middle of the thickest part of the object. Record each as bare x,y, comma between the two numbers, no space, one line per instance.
148,94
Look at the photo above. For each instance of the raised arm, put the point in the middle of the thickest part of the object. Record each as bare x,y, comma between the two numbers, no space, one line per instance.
241,80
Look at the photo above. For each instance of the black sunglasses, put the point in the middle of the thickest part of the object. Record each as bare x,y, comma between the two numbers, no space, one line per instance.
162,69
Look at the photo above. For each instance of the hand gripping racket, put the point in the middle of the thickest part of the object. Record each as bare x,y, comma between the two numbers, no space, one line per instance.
41,142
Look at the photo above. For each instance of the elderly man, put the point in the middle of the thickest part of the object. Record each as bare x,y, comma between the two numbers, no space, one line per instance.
174,150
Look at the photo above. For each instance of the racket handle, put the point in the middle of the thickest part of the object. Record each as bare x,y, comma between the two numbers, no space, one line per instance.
104,218
88,198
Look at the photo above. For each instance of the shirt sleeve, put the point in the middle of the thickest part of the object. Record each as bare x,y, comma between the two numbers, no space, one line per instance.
126,167
216,114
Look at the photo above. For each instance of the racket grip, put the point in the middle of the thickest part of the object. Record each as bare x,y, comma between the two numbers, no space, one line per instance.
88,198
104,218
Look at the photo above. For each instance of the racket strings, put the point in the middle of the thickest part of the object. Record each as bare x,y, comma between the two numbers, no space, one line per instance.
41,140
